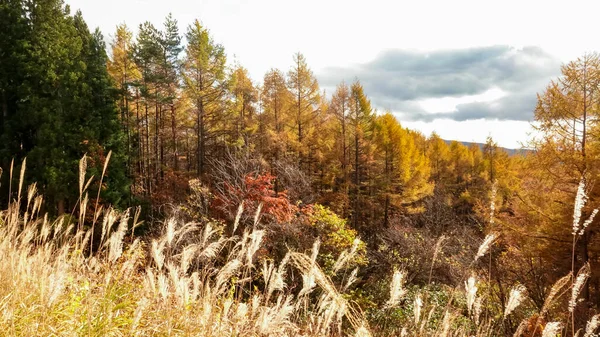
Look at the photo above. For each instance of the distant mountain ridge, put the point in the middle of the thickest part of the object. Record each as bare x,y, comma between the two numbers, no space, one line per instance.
511,152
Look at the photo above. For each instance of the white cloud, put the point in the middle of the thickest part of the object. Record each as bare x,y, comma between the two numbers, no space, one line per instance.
509,134
449,103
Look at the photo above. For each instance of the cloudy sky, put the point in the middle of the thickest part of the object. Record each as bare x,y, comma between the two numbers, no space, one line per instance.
464,68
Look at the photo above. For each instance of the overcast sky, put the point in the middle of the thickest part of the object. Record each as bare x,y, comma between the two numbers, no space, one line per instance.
464,68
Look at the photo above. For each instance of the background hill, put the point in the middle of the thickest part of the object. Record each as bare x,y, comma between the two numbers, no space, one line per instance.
510,151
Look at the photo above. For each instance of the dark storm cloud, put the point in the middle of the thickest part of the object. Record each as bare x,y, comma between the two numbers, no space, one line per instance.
398,79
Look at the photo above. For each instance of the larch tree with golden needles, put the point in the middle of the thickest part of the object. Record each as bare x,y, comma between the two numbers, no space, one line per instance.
125,74
566,116
145,54
439,155
245,98
361,124
340,109
204,77
170,48
276,114
306,103
403,167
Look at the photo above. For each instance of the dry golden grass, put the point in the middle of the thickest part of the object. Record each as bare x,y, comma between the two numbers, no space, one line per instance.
190,281
193,281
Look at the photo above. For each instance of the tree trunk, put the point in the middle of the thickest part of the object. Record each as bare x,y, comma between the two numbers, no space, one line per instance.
174,136
356,180
148,163
200,149
61,206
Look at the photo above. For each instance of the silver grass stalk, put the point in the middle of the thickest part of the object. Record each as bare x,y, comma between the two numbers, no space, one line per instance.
470,292
227,303
257,214
207,306
83,208
272,278
582,276
186,257
137,316
275,319
308,282
183,232
157,253
514,299
436,251
418,305
493,201
196,283
477,309
226,273
163,286
587,222
446,322
22,178
212,249
340,312
346,256
591,326
267,270
206,234
362,331
396,288
240,248
351,279
82,170
238,216
46,229
255,304
355,244
315,250
31,192
580,200
555,290
241,312
127,268
256,238
552,329
116,239
340,261
485,245
56,285
425,321
277,282
326,309
87,237
170,235
110,216
306,265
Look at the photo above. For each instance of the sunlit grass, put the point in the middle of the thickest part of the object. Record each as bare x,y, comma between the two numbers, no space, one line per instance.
192,280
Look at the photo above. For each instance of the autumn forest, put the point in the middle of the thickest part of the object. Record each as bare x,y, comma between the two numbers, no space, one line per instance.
150,186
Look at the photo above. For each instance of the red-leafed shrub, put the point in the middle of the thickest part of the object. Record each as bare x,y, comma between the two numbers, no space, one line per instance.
171,190
253,191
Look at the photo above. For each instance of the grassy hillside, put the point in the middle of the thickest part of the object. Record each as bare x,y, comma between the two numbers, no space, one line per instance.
91,276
